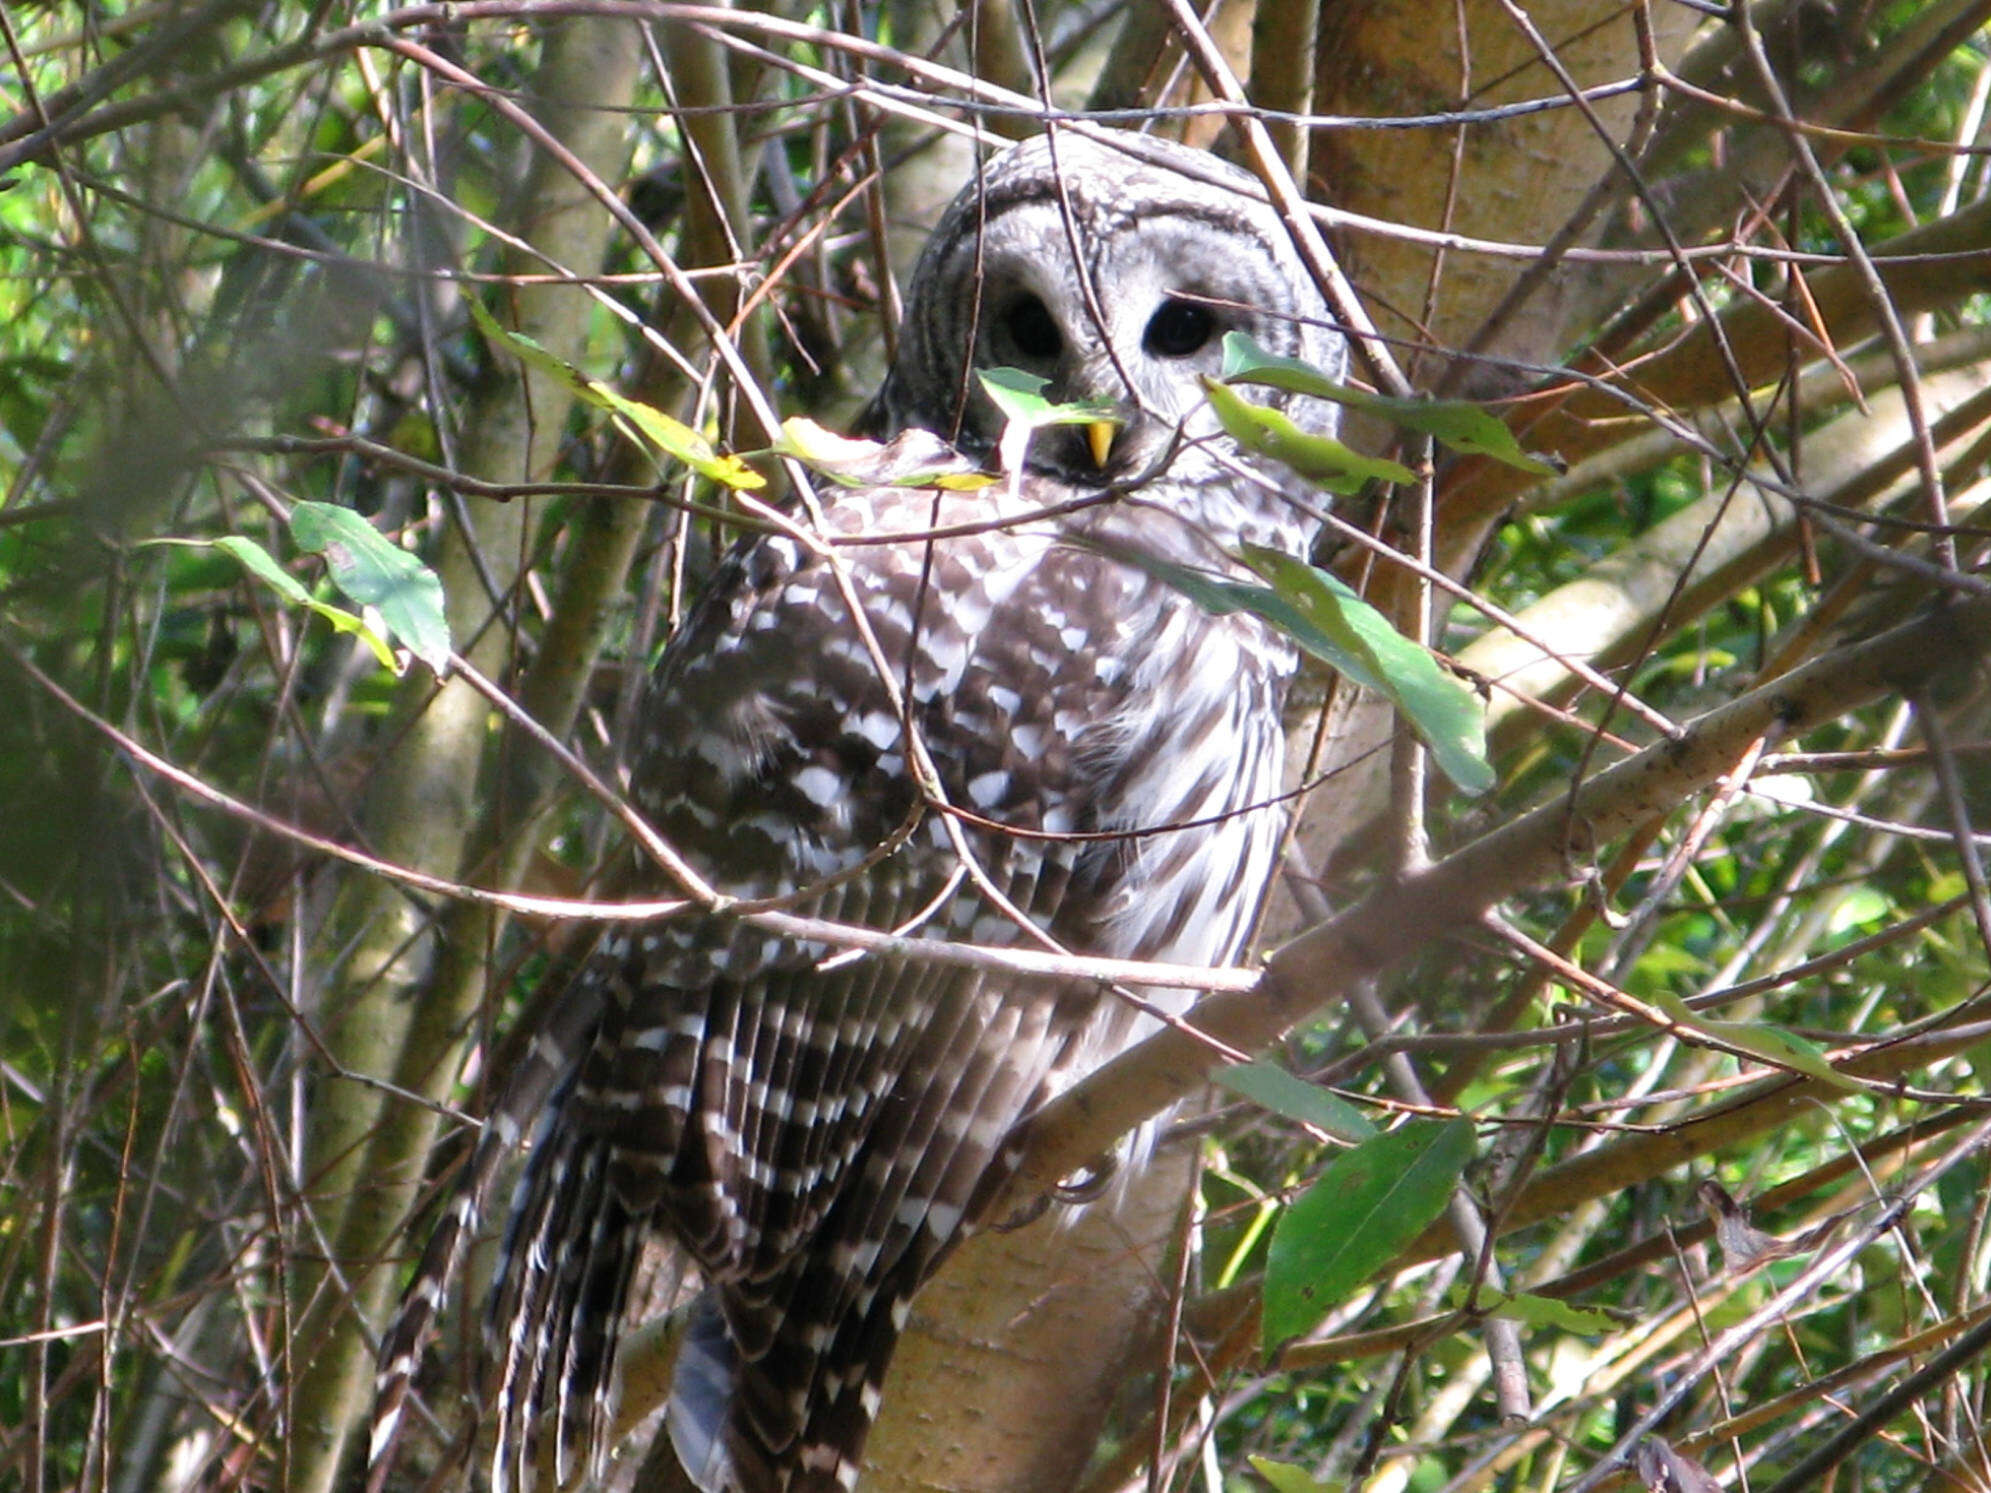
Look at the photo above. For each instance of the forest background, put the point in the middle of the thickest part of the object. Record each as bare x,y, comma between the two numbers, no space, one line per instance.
273,916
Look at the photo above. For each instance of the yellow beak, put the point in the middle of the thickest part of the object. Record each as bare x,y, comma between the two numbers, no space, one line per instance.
1099,436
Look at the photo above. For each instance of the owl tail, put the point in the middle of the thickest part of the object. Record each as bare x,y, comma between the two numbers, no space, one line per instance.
772,1393
556,1310
701,1388
552,1055
407,1335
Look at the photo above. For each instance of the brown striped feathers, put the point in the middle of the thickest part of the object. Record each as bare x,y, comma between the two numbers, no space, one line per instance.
813,1126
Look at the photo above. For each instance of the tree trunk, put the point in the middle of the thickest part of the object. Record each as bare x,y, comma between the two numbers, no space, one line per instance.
397,999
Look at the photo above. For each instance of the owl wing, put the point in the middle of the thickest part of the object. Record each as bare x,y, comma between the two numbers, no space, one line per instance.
818,1129
815,1127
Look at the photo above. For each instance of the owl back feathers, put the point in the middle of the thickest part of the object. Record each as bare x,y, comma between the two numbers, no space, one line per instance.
818,1129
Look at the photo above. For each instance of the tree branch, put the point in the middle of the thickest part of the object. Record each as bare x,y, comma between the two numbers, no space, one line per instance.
1397,920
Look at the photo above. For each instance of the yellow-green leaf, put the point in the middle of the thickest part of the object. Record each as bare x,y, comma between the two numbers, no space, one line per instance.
1547,1311
253,558
912,458
1773,1044
1318,458
1454,424
643,423
1286,1478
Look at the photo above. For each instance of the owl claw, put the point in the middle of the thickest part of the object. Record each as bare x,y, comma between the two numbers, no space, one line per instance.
1088,1185
1029,1213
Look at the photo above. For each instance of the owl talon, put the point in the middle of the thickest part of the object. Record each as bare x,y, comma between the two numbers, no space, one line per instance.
1028,1214
1088,1185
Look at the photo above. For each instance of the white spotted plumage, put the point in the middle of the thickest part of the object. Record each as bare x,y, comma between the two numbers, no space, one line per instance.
816,1129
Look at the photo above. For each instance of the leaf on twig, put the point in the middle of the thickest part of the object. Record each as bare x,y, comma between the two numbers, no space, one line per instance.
1774,1045
1547,1311
912,458
1286,1478
1318,458
1019,396
398,596
1453,423
1326,618
1443,711
258,561
375,572
1367,1205
645,424
1273,1088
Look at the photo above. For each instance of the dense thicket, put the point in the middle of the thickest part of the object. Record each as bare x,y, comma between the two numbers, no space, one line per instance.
1725,264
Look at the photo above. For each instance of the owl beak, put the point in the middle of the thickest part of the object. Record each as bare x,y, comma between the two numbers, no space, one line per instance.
1099,438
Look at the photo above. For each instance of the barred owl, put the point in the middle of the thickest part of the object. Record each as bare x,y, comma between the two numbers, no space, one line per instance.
1028,741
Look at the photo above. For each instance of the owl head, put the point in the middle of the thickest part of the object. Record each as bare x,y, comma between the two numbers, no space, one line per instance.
1112,265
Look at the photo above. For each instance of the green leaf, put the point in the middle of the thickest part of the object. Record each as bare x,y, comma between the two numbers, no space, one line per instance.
375,572
1318,458
1020,398
1325,617
913,458
645,424
1367,1205
1859,905
1441,709
1546,1311
1272,1087
1773,1044
253,558
1220,597
1454,424
1286,1478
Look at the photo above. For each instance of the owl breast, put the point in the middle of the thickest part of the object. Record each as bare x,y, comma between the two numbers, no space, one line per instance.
1077,711
948,716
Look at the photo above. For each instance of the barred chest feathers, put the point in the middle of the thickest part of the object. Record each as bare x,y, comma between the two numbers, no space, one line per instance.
818,1128
1061,693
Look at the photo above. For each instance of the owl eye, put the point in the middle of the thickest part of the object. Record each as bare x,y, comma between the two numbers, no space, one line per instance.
1033,329
1179,329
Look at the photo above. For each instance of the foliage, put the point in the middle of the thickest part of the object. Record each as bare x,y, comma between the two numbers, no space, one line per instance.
1640,429
1355,1218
